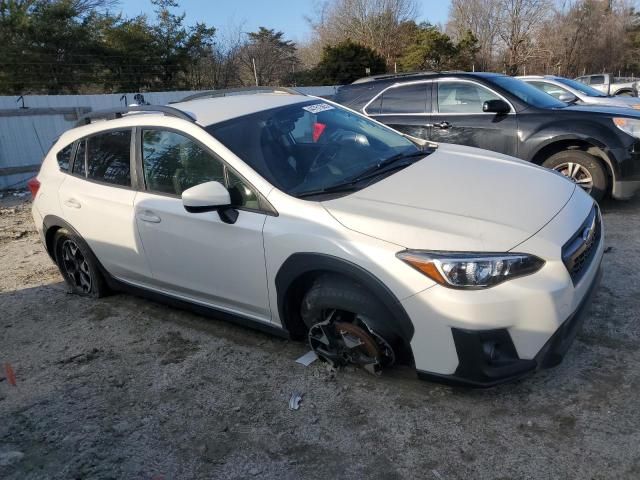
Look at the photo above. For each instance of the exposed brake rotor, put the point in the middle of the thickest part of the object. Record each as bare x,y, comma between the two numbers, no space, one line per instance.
340,343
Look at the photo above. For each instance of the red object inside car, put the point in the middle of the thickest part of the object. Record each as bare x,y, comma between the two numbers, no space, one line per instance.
318,128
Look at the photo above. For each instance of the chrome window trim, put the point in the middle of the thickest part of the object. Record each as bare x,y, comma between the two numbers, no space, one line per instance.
454,79
397,85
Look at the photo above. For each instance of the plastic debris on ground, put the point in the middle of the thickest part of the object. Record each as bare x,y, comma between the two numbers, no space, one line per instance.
294,401
308,358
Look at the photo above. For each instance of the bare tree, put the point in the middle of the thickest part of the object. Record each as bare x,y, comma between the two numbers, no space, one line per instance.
519,22
481,18
372,23
585,36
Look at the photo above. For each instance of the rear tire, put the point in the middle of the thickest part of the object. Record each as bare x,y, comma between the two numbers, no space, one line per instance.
78,265
582,168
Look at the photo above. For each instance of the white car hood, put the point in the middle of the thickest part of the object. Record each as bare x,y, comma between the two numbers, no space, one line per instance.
457,199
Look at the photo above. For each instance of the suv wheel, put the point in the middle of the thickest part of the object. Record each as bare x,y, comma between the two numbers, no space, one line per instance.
583,169
339,315
78,265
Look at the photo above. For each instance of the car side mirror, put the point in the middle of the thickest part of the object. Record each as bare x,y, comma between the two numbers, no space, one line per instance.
567,98
496,106
210,197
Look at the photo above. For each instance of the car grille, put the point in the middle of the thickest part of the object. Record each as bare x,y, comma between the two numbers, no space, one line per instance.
579,251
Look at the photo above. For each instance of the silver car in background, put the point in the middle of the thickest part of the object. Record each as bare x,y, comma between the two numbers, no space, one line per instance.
572,91
610,85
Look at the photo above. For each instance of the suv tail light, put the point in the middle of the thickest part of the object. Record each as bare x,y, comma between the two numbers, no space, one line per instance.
34,186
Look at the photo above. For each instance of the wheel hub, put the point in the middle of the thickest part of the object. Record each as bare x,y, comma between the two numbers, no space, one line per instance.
577,174
76,266
340,343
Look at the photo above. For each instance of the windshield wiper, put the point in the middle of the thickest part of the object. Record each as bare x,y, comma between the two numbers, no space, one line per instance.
384,166
340,187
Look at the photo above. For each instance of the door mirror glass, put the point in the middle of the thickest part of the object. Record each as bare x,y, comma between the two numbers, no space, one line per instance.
496,106
206,197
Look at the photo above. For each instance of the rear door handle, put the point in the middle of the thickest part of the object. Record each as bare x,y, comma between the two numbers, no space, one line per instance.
72,202
149,216
442,125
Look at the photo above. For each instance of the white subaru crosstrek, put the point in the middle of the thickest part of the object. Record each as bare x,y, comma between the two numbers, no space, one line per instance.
300,217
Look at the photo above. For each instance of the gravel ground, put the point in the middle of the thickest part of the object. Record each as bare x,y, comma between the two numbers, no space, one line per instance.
127,388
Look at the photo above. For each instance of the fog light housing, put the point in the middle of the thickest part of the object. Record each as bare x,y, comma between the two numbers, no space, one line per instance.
484,356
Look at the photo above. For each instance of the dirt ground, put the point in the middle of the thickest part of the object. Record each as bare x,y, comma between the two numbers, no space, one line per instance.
127,388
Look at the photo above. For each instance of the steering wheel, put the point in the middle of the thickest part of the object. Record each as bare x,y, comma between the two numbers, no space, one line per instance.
324,156
338,139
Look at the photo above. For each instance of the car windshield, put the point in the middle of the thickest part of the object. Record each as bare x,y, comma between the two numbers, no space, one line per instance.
581,87
312,146
527,93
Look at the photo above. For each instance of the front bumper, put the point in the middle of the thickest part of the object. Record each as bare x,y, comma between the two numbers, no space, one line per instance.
485,337
475,370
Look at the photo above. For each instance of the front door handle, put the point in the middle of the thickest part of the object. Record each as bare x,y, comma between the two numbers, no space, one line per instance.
149,216
72,202
442,125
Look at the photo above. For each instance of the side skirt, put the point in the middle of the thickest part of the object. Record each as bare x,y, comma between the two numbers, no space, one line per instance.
205,311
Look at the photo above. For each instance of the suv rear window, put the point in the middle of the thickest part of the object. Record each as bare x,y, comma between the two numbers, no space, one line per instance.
64,158
108,157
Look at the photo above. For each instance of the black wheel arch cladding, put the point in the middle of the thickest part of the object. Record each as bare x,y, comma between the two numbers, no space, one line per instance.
299,266
52,224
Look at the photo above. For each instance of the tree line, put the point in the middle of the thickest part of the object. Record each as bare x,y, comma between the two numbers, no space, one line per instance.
82,46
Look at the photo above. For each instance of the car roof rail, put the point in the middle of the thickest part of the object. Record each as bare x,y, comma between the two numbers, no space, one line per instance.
389,76
239,91
118,112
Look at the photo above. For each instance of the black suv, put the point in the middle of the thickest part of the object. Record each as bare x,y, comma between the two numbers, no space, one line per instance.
597,147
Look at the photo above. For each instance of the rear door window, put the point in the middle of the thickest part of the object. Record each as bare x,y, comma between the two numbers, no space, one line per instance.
596,80
405,99
109,157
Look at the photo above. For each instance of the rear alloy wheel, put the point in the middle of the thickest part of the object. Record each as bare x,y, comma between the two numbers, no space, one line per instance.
78,266
585,170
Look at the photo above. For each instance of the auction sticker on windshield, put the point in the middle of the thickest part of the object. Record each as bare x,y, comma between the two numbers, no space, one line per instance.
318,107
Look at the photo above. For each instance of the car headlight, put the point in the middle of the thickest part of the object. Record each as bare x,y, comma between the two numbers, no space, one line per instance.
628,125
471,270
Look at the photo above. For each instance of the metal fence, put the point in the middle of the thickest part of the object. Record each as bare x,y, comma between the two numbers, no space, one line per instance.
29,125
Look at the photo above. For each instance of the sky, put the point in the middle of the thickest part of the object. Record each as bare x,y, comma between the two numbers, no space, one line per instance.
284,15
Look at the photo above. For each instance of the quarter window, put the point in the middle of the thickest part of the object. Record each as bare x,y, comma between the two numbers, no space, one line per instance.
109,157
64,158
80,162
240,193
462,97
